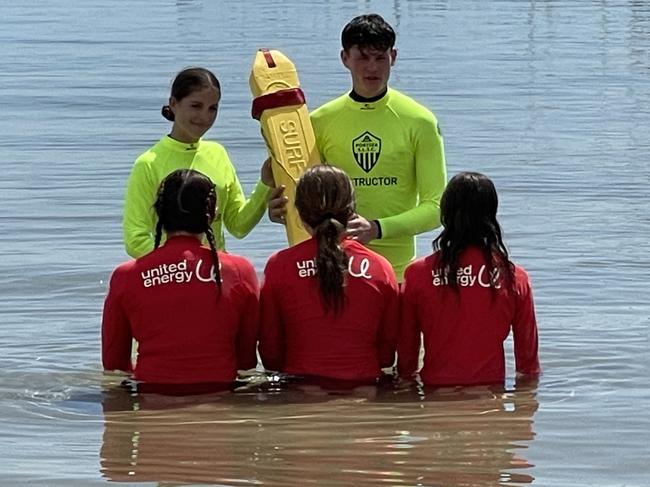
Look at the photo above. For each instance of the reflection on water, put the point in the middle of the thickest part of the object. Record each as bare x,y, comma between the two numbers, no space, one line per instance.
474,437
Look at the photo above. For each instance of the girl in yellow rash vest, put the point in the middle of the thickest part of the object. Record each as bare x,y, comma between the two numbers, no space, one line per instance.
192,108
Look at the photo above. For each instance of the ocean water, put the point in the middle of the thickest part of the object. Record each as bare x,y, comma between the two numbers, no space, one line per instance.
549,98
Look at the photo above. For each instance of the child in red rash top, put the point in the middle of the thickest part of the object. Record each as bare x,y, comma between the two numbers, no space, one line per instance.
329,306
467,296
193,310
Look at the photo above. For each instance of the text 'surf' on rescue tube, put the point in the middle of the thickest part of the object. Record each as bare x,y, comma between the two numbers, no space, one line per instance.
279,105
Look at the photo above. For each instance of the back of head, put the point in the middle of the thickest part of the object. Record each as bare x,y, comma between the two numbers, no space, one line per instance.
189,81
186,202
468,212
324,192
368,31
325,202
469,208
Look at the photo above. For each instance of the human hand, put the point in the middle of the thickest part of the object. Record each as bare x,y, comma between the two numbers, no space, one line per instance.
277,204
266,173
360,229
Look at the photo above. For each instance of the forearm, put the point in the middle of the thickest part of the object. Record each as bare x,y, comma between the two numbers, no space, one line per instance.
430,181
116,337
408,346
525,335
422,218
242,215
389,330
247,333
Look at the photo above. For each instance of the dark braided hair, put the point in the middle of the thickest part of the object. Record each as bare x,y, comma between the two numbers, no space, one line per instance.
187,202
468,212
187,82
325,202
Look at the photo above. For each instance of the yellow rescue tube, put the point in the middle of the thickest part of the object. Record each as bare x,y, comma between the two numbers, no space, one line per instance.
279,105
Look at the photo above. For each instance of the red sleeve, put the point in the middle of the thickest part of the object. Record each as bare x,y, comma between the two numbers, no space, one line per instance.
272,341
524,329
116,330
408,348
249,318
389,326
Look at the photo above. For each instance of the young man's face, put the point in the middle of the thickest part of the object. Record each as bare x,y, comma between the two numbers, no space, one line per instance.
370,69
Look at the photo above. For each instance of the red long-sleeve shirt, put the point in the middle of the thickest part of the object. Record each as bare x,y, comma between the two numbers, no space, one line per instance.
167,301
464,331
297,336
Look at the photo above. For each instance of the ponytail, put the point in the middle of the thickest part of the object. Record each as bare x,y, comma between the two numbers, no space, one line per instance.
331,264
325,202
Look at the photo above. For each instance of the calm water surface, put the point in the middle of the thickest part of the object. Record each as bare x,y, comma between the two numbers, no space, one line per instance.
549,98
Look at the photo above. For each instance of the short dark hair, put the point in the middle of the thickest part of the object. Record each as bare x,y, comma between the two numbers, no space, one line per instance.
368,31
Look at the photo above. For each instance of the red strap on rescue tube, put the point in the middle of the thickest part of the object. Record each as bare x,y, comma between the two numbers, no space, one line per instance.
270,62
282,98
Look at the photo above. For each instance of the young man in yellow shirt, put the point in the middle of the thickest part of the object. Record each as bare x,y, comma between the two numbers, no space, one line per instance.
389,145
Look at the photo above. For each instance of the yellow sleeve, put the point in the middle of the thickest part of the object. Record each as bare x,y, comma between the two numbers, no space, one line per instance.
431,178
240,215
139,217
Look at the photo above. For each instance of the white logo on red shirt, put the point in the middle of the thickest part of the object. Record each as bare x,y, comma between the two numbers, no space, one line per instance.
176,273
211,276
307,268
364,265
166,273
465,277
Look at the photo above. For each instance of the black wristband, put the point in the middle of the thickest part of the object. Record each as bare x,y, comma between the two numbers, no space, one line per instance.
378,228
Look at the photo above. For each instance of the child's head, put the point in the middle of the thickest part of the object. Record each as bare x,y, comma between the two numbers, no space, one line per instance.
325,203
186,202
468,208
324,193
193,103
468,212
369,31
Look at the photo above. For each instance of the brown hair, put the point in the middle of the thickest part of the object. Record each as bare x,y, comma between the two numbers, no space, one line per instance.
325,202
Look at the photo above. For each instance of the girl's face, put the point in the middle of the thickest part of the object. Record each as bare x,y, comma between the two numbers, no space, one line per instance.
194,114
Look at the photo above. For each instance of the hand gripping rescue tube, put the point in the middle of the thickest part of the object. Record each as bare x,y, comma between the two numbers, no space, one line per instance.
279,105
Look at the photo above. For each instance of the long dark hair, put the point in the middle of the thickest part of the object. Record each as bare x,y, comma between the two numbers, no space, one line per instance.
187,202
325,202
187,82
468,210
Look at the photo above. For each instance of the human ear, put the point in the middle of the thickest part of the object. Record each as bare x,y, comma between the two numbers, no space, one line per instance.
172,103
344,58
